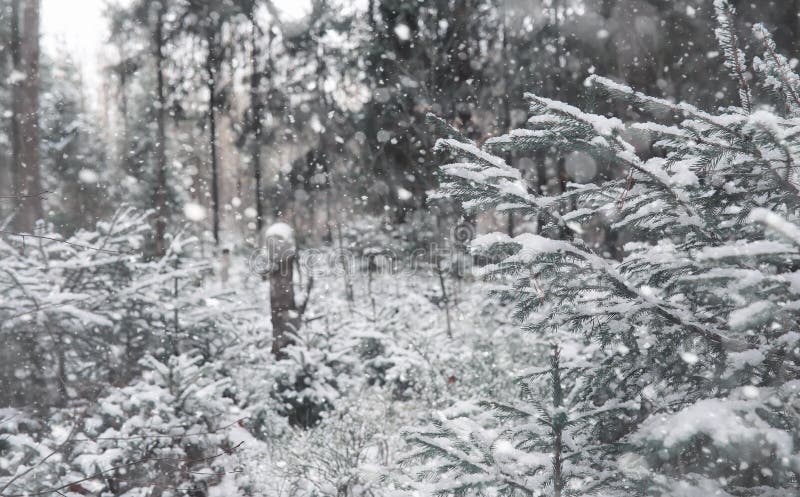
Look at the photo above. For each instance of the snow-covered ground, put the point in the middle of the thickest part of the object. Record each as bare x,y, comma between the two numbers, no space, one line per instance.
326,419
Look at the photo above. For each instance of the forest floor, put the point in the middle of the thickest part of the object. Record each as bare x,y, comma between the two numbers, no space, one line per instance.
328,418
376,365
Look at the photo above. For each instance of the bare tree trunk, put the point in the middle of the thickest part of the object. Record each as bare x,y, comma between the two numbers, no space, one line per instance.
285,318
26,174
63,394
558,424
795,26
445,299
16,65
212,124
348,283
558,477
211,62
123,94
559,93
256,109
160,197
507,118
328,215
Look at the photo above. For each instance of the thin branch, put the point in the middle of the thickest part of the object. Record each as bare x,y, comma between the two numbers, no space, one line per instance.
71,244
100,473
309,287
19,197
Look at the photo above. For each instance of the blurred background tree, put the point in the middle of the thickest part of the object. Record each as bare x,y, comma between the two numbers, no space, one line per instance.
249,111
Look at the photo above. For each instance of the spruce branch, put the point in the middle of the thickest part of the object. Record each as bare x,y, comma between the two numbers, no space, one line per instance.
734,58
776,66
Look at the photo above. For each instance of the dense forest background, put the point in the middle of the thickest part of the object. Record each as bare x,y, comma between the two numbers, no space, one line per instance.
225,106
238,263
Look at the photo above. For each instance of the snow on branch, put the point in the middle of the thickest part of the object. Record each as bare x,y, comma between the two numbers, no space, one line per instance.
734,57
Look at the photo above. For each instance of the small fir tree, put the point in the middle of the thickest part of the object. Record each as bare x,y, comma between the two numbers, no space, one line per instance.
690,338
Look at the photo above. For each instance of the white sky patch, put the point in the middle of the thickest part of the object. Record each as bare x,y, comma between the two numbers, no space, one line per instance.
293,10
78,28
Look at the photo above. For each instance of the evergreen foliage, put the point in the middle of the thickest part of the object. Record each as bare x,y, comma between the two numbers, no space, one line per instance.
687,345
165,431
84,310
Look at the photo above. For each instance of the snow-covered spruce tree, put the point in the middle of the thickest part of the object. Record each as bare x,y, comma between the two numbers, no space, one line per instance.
77,313
548,442
697,324
168,431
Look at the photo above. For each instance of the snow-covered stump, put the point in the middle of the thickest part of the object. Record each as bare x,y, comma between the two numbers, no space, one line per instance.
281,249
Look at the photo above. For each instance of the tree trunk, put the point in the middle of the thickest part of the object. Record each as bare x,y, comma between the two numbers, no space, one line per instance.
285,318
26,175
256,108
16,65
558,477
160,197
125,155
282,304
560,79
557,424
507,118
212,129
794,15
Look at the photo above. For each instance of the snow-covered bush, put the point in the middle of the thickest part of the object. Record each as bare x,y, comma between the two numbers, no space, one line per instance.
683,370
26,455
356,375
364,377
397,341
84,310
307,381
347,452
167,430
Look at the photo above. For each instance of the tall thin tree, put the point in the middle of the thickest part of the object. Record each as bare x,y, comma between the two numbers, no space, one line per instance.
160,196
213,61
26,174
256,111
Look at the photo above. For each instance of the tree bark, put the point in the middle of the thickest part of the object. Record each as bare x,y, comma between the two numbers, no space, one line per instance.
285,318
557,424
256,109
211,61
283,307
125,156
26,174
160,197
16,64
